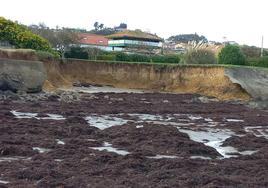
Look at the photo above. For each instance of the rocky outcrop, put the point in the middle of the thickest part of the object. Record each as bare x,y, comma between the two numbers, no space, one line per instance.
253,80
21,76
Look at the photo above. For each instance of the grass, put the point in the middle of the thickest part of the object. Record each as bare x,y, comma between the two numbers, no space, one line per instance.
169,64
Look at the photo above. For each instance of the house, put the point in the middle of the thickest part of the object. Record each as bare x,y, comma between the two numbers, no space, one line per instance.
135,41
88,40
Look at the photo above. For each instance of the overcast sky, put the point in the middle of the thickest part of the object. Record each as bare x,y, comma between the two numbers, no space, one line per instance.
244,21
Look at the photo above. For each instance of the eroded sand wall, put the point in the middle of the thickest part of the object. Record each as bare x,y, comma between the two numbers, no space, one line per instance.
210,81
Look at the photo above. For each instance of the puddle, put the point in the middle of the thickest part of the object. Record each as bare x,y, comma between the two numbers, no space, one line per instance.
234,120
4,182
22,115
163,157
200,157
105,121
41,150
258,131
108,147
139,126
214,138
148,117
60,142
10,159
58,160
104,89
53,117
26,115
179,120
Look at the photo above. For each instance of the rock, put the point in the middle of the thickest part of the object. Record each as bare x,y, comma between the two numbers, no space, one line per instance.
253,80
21,76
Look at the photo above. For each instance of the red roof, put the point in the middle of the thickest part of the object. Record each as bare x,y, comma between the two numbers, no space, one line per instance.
92,39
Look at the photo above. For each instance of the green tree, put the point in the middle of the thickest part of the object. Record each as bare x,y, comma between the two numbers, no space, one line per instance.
232,54
21,37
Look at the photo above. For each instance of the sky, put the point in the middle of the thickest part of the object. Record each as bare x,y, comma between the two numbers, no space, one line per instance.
243,21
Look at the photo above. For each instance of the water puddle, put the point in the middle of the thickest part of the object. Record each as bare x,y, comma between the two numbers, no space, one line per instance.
139,126
200,157
163,157
10,159
41,150
26,115
214,138
258,131
105,121
58,160
108,147
59,142
104,89
109,120
23,115
234,120
4,182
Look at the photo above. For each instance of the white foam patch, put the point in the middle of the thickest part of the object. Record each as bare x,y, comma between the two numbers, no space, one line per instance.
27,115
108,147
41,150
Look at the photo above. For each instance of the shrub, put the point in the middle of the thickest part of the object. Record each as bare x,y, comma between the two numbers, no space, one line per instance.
258,62
166,58
21,37
231,54
77,53
110,57
172,59
120,56
139,58
42,55
200,56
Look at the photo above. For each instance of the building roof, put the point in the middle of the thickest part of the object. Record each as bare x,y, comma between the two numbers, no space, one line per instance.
137,34
92,39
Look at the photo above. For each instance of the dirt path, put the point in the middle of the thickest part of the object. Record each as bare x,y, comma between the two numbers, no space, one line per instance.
132,140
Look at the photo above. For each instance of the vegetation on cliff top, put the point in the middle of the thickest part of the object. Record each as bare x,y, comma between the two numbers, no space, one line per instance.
20,37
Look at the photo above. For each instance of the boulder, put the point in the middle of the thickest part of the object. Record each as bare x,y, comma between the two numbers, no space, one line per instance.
253,80
21,75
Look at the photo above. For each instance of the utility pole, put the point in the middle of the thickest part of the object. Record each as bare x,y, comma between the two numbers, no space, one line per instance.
262,46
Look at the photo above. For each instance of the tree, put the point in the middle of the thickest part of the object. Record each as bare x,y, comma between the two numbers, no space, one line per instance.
232,54
21,37
96,26
101,26
185,38
123,26
60,38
